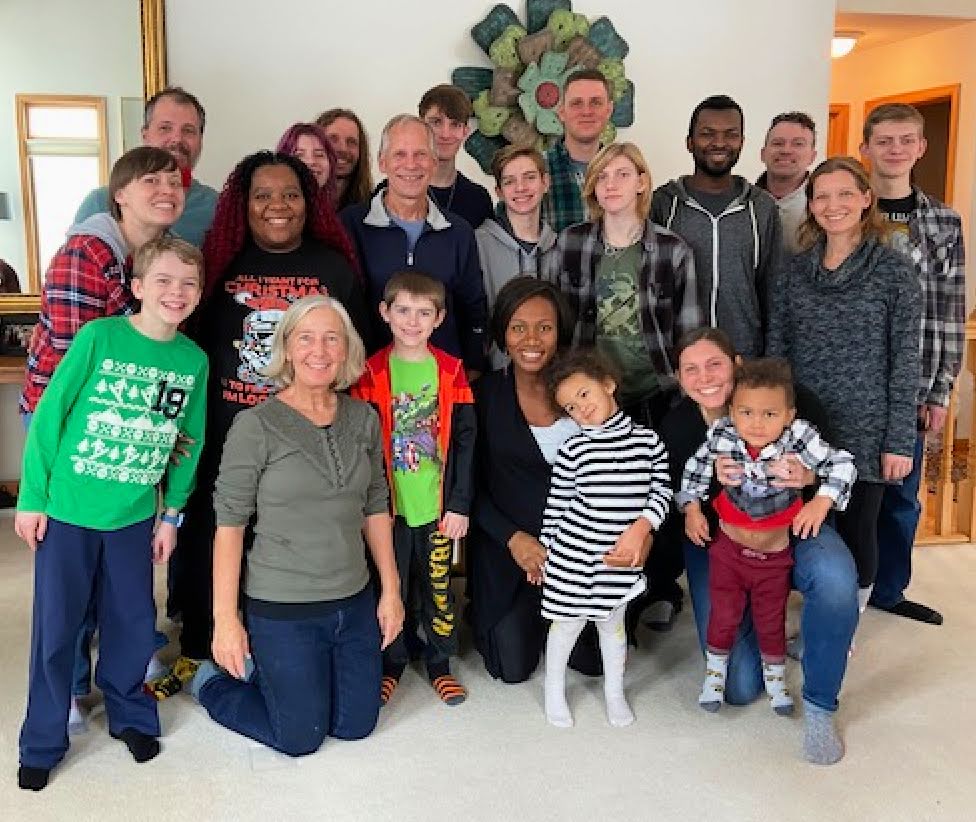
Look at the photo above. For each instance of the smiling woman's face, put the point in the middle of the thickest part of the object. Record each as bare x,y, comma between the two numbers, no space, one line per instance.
705,374
276,208
532,335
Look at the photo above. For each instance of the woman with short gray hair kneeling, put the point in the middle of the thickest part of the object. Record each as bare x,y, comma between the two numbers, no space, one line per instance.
308,464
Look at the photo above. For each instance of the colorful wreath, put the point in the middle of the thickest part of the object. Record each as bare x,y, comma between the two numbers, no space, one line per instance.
515,101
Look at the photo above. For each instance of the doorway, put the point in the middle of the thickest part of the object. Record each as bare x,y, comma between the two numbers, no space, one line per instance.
939,107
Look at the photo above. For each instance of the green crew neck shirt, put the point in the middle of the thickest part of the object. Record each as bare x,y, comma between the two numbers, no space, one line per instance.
416,458
102,435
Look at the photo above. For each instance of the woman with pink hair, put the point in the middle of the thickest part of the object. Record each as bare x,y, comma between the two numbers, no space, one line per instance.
309,143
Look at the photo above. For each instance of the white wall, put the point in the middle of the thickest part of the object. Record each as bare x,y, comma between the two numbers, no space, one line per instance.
61,47
278,64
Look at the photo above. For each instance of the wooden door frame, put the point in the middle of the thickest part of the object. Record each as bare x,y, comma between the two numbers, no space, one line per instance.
931,95
838,130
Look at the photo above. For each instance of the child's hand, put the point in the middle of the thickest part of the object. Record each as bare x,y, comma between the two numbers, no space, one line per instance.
454,526
164,541
632,546
696,525
812,515
534,577
30,527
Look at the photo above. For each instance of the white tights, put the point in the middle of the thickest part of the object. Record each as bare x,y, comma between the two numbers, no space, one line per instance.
563,634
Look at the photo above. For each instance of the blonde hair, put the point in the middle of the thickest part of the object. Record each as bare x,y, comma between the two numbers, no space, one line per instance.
872,223
152,250
600,162
282,371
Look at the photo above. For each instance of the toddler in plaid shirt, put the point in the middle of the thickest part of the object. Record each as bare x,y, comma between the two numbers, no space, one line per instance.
750,557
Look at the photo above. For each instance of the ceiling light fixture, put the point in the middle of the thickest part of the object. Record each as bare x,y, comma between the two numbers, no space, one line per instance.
843,43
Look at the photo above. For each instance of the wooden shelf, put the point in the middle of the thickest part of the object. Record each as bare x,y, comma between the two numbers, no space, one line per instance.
12,370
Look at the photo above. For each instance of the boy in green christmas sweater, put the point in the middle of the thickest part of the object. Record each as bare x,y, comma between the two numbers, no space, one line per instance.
99,443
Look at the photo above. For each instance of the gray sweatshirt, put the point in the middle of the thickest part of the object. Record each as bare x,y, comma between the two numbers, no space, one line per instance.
311,489
851,336
737,254
503,258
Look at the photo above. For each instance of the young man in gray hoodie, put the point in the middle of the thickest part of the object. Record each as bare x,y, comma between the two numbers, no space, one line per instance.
732,226
516,240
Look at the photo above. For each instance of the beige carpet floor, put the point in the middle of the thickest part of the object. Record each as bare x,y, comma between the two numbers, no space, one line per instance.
908,713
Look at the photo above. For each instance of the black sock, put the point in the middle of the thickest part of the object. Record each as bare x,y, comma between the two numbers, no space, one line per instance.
32,779
142,746
436,669
396,671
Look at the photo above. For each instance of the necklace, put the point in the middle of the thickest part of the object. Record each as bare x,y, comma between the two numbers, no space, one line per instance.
616,250
450,196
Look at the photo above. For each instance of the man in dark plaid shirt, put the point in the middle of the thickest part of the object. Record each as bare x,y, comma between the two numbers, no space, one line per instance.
584,110
930,234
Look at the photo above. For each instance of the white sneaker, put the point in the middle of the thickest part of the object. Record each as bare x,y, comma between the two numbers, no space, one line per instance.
154,670
77,718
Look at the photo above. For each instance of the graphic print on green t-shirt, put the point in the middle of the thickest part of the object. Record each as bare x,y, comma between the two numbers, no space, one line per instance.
416,458
618,326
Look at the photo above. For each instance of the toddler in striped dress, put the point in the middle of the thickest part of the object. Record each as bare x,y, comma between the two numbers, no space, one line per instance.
609,491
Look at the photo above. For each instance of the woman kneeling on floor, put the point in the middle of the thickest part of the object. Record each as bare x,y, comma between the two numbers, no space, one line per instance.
309,463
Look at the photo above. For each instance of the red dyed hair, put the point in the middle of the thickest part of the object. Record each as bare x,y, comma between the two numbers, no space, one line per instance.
230,230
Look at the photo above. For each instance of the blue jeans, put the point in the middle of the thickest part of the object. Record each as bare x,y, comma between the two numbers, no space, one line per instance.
897,523
314,677
824,573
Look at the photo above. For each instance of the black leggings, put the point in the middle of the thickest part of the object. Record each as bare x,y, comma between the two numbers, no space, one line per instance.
858,527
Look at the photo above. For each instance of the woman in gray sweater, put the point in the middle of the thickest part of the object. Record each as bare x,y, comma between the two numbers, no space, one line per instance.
309,464
846,314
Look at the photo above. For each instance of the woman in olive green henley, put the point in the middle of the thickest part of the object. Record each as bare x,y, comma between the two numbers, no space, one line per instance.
309,463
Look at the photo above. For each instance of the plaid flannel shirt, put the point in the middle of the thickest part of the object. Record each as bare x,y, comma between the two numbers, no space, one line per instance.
938,255
666,292
563,205
85,281
756,496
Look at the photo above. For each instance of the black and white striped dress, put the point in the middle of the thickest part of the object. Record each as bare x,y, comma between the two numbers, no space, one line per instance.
603,479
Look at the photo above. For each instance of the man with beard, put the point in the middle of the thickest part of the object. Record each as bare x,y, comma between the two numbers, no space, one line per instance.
732,226
174,121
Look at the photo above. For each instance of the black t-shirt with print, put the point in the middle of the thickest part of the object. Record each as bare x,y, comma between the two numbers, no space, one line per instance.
241,315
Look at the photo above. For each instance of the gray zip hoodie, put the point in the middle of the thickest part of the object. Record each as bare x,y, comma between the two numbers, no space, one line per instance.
104,227
737,255
503,258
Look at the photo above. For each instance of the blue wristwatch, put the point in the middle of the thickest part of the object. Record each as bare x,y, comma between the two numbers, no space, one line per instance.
171,519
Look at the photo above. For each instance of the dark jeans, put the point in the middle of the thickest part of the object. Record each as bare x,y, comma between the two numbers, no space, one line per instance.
423,559
824,573
314,677
858,527
897,523
191,565
69,564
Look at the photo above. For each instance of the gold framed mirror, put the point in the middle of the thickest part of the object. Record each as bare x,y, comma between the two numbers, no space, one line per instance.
22,294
